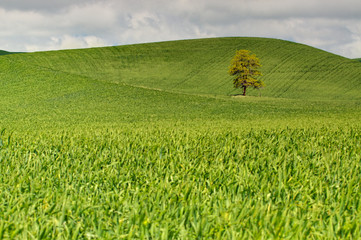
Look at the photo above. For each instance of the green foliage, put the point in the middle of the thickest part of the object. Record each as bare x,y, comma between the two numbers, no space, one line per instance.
244,68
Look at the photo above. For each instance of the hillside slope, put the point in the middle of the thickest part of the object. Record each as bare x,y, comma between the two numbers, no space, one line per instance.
290,70
175,81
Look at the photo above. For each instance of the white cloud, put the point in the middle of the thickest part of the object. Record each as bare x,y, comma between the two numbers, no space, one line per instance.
51,24
67,42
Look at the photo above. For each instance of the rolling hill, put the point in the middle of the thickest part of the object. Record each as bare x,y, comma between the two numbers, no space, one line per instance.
148,141
179,79
290,70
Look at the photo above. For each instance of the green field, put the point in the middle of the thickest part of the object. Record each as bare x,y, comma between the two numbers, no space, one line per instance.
151,141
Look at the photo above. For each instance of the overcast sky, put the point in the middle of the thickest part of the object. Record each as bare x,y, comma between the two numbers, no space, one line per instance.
33,25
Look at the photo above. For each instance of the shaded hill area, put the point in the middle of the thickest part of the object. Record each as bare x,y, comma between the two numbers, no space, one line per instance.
4,52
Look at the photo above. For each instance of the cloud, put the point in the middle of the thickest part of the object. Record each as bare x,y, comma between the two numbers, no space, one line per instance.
67,42
50,24
78,27
41,5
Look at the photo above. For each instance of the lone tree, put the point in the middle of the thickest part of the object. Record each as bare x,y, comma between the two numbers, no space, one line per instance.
244,68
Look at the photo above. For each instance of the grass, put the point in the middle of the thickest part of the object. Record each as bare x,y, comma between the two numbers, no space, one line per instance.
172,183
147,142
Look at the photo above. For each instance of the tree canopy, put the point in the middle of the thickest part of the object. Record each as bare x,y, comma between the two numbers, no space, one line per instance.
244,67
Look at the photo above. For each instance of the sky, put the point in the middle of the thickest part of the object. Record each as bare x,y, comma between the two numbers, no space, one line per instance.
41,25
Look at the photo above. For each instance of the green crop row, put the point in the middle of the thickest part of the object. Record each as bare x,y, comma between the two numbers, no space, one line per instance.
181,183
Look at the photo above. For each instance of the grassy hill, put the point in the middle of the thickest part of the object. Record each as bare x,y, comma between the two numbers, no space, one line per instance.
147,141
171,80
198,67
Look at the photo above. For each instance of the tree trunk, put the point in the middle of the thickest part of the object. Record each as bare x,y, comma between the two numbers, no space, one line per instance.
244,91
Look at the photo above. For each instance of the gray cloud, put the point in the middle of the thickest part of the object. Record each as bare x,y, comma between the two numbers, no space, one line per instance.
41,5
51,24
